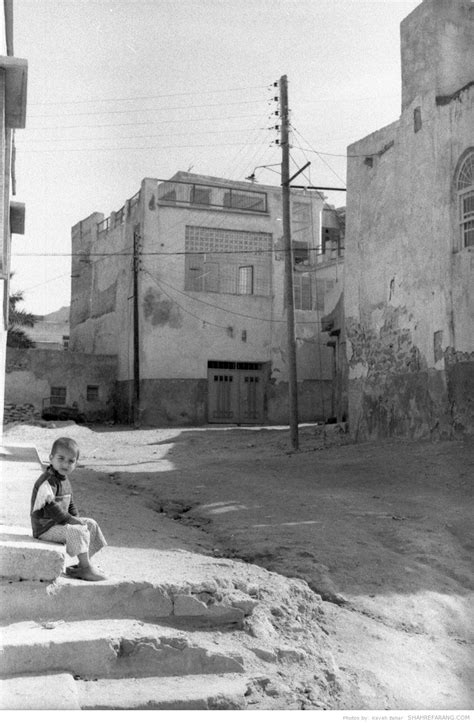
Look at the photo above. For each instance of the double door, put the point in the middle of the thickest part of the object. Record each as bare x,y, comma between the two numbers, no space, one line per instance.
235,392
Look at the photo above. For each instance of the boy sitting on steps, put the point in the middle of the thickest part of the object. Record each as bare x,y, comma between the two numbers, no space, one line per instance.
54,516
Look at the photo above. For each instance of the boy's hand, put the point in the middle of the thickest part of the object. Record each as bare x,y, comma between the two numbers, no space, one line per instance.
75,520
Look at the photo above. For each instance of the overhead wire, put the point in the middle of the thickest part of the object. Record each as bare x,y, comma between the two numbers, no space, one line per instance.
319,155
143,110
200,92
142,123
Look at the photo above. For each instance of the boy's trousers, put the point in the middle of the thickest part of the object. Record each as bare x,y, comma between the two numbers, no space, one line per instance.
78,538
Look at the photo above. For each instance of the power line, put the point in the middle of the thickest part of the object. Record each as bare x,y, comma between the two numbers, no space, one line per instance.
319,155
188,312
146,136
144,110
137,98
130,148
218,307
327,153
269,250
142,123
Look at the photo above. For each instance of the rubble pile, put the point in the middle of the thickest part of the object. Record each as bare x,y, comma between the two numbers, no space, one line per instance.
20,413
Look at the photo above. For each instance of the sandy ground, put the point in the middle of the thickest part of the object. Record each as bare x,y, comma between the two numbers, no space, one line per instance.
382,532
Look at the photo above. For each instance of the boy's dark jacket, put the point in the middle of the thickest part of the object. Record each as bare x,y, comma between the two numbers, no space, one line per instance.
58,511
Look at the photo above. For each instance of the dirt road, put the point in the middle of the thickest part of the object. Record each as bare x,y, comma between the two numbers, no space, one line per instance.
383,532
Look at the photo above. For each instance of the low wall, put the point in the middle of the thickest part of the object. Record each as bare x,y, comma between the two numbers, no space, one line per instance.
31,373
184,402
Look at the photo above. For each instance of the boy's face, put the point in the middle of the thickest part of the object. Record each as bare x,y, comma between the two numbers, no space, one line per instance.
63,460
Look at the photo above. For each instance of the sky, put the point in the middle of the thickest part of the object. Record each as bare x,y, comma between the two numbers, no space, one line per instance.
120,90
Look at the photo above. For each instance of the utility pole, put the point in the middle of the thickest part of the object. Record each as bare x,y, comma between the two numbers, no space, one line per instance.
136,327
289,299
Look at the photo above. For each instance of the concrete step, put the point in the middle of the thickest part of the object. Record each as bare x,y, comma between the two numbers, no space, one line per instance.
200,693
50,692
110,649
70,599
25,558
60,691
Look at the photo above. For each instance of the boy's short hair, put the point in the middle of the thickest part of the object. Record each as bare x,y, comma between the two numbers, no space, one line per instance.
65,443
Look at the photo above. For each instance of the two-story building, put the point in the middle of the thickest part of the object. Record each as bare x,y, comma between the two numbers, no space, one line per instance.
185,284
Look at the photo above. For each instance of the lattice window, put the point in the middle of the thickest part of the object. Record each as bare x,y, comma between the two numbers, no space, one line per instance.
233,262
465,189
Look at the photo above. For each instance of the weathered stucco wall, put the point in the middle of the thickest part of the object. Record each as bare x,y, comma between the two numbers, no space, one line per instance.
31,372
408,289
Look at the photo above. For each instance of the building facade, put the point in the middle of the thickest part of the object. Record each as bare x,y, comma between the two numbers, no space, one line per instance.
409,259
13,83
185,284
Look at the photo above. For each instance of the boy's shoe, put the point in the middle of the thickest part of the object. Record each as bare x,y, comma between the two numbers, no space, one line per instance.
85,573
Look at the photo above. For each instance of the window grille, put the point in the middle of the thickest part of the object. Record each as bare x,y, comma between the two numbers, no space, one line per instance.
245,200
232,365
92,393
302,291
58,395
245,284
200,195
465,189
300,252
104,226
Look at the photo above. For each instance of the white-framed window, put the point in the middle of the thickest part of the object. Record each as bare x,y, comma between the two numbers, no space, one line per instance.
92,393
245,281
465,199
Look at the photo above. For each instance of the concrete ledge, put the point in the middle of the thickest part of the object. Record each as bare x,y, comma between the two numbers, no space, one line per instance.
24,558
111,649
68,599
187,693
49,692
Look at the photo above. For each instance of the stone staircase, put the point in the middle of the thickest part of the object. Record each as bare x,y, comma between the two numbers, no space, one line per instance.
114,644
179,640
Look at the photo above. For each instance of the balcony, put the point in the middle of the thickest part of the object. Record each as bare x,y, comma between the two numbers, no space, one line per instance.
205,196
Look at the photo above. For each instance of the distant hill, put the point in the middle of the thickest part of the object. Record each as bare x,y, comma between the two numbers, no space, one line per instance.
57,316
51,330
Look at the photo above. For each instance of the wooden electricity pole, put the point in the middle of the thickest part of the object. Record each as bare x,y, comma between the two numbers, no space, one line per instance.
289,299
136,327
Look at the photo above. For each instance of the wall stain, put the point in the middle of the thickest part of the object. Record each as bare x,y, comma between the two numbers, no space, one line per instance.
160,311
